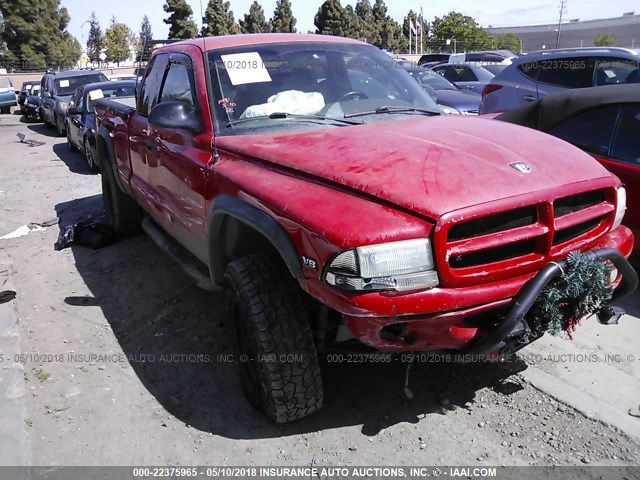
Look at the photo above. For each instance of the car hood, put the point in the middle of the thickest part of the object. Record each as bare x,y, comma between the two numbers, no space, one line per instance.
461,100
34,99
428,165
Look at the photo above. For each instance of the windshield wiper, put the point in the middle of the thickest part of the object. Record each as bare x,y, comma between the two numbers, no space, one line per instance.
285,115
381,110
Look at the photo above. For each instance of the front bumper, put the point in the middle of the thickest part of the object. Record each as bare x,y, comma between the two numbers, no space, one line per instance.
457,318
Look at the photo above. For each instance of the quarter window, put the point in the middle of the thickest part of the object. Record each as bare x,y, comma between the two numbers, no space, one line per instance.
626,146
566,72
591,131
612,71
151,85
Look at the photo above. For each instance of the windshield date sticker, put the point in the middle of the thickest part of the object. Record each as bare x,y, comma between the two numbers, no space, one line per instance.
96,94
244,68
64,83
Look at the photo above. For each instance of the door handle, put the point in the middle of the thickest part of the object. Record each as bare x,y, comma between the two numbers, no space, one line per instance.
529,98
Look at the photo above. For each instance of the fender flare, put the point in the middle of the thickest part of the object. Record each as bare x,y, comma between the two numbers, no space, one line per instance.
106,159
228,206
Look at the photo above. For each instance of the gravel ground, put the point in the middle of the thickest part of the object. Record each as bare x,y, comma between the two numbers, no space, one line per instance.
114,342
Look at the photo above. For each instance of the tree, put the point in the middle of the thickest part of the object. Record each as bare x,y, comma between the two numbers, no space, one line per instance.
145,36
509,41
283,20
255,21
604,40
352,24
28,31
219,20
181,19
118,39
330,18
461,30
364,12
95,41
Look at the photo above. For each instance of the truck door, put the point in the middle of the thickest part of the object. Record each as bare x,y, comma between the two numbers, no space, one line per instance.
178,168
141,144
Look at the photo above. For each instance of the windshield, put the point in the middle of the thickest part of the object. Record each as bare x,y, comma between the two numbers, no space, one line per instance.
321,80
113,92
429,78
34,90
66,86
5,82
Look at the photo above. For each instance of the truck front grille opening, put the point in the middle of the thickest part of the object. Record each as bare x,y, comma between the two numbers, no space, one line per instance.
501,222
575,203
575,231
492,255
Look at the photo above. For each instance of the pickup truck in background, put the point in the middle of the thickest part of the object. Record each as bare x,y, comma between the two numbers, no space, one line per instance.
319,188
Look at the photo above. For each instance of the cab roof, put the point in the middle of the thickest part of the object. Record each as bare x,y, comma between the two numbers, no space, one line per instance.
216,43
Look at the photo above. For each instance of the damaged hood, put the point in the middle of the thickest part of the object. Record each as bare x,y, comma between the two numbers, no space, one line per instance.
430,165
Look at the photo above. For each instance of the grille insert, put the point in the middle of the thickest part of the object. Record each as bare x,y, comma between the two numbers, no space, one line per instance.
575,203
575,231
492,255
501,222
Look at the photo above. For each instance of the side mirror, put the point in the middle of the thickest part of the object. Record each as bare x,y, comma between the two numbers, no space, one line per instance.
73,111
174,114
45,94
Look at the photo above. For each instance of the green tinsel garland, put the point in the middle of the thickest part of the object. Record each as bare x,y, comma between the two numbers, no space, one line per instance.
581,291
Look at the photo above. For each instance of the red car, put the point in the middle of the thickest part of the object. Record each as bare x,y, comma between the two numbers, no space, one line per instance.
604,122
318,186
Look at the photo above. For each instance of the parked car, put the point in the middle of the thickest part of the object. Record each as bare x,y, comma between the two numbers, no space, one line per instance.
56,90
469,75
32,104
604,122
531,77
80,118
119,77
432,58
25,91
336,219
450,98
7,95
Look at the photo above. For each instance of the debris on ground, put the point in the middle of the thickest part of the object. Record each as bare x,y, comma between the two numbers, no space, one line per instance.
86,233
31,143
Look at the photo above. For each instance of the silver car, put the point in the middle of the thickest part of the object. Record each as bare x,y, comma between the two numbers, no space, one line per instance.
471,76
532,76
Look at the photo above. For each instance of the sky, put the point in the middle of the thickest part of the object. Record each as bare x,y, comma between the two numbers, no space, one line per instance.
489,12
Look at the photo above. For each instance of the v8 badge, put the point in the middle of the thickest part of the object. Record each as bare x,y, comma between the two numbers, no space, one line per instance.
310,262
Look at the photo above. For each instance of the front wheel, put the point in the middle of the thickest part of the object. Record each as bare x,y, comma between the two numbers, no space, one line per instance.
70,144
59,126
278,363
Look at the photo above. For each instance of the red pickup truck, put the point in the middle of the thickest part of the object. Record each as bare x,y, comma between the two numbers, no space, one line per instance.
317,184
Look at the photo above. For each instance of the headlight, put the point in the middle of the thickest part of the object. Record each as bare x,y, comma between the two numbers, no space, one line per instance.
620,208
448,110
63,106
401,266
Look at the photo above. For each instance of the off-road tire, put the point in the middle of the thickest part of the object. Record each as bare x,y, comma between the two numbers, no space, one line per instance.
121,211
270,323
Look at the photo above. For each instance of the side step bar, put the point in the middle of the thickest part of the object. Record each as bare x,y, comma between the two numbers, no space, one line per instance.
190,264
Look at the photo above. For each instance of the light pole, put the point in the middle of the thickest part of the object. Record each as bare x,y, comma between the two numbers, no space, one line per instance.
563,10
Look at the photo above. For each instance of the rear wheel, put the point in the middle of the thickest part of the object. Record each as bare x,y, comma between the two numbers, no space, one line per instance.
278,362
59,126
5,110
121,211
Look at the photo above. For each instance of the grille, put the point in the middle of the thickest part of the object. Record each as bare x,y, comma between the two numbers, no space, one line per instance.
573,232
574,203
492,255
538,232
493,224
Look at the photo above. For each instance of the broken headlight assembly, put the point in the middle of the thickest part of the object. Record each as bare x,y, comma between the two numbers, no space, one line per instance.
401,266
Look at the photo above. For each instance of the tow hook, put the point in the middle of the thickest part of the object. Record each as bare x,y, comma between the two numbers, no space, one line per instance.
610,315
